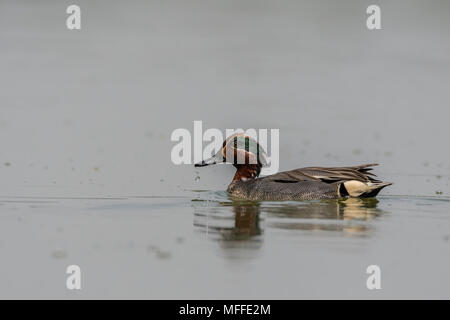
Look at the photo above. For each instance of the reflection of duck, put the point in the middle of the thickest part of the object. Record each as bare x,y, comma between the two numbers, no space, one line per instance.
236,226
245,223
301,184
362,209
348,216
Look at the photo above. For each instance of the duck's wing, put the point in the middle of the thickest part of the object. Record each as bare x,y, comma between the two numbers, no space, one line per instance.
354,181
328,175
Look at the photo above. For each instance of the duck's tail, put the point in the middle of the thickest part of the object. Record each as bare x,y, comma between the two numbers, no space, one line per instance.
360,189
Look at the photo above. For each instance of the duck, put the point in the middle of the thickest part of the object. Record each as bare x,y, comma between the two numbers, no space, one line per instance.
309,183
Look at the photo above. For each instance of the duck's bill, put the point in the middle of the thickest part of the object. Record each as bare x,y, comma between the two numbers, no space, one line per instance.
206,162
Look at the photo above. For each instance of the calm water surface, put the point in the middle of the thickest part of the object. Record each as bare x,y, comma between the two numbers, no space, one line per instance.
204,245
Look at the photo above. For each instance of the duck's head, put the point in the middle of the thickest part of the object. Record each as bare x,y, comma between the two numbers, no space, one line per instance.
243,152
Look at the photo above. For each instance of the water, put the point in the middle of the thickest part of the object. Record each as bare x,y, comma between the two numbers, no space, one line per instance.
212,247
85,170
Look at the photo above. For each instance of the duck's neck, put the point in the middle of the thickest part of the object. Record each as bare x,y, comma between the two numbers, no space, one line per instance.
246,172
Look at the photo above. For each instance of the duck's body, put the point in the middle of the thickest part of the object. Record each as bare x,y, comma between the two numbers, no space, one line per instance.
300,184
308,184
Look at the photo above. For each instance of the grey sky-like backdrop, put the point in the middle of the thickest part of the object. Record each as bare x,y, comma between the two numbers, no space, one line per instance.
90,112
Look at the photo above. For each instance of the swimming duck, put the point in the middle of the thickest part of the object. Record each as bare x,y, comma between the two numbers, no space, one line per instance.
300,184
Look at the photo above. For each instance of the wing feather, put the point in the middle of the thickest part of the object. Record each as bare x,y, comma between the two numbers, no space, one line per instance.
329,175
